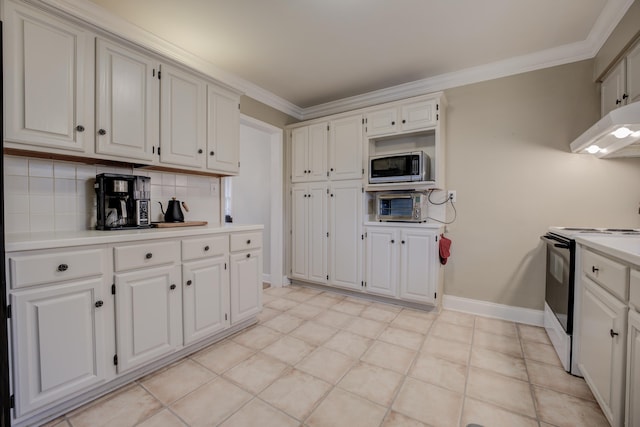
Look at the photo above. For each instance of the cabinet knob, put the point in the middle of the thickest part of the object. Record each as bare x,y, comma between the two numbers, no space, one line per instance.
613,334
172,287
393,241
149,255
404,121
393,123
189,282
102,132
211,153
63,267
248,255
206,248
99,304
248,242
331,169
402,242
200,151
594,269
80,128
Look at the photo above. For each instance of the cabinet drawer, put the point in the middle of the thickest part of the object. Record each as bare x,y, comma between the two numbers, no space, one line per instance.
634,289
147,254
610,274
205,247
245,241
40,268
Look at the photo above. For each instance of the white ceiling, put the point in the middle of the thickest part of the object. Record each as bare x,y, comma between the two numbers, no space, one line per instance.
314,52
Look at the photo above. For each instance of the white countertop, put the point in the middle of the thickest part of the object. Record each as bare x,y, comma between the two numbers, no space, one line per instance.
61,239
624,247
426,225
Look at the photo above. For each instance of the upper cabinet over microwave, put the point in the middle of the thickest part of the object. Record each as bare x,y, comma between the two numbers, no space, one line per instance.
402,118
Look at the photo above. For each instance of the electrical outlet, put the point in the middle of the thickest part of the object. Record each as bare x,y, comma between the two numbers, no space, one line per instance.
451,195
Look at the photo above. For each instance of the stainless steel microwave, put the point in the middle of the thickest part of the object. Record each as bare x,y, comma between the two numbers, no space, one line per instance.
401,207
400,167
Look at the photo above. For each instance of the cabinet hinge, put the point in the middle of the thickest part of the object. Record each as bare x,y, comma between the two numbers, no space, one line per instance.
327,277
437,116
238,105
327,174
437,107
159,75
327,234
225,316
327,127
153,149
238,164
158,151
362,237
363,120
12,401
436,238
153,73
113,289
435,295
362,283
9,311
363,171
115,359
365,234
225,267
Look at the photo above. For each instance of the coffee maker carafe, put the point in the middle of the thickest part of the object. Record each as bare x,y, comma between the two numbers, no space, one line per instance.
123,201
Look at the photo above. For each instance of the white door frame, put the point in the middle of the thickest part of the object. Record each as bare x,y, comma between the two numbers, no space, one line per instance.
277,211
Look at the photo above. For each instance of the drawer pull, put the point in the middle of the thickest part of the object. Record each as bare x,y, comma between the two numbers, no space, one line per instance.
99,304
172,287
248,242
206,248
594,269
613,334
189,282
149,255
63,267
248,255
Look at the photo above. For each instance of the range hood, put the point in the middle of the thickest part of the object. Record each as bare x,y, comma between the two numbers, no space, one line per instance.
615,135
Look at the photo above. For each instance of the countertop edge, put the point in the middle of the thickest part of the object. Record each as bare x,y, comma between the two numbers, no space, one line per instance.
611,250
51,240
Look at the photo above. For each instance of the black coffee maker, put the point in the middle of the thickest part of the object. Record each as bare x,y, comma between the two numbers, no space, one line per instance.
123,201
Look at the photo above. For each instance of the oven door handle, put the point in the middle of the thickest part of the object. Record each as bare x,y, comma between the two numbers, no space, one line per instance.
554,241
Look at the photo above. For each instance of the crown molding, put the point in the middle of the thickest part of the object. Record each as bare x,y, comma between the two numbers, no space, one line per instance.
95,15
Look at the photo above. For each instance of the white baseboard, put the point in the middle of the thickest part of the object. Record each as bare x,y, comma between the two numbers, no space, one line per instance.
491,309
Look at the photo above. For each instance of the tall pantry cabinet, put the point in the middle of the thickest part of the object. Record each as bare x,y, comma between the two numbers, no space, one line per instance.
326,201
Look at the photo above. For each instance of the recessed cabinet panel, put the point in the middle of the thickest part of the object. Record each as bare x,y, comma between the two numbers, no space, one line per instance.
183,118
48,81
345,148
58,342
148,315
246,285
127,90
418,115
223,131
419,265
345,207
382,261
633,75
382,122
612,88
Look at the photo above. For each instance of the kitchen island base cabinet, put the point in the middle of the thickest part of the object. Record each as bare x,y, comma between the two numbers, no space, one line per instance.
603,346
59,342
148,315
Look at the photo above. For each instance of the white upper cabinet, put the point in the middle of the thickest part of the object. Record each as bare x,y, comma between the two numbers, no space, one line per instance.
382,122
633,74
127,102
183,118
48,67
223,130
309,147
622,84
345,148
402,118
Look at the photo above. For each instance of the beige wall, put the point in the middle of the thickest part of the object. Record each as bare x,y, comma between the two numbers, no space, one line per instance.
265,113
627,30
508,159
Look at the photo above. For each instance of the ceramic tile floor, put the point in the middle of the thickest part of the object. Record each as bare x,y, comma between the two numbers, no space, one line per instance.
323,359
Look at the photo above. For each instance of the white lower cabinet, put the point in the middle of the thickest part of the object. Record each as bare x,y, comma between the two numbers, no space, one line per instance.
633,370
58,342
246,284
402,263
603,345
309,231
148,315
205,298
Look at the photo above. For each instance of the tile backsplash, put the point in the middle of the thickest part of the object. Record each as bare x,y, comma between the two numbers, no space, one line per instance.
48,195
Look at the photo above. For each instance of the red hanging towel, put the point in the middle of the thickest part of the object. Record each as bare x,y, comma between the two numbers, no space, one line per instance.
445,249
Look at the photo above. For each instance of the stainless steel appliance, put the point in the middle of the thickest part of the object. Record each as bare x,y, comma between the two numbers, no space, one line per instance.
123,201
400,167
401,207
562,294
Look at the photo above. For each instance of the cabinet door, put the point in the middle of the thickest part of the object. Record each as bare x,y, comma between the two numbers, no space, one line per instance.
49,81
148,315
246,285
317,163
345,207
418,265
345,148
183,118
419,115
205,298
127,91
223,131
633,371
633,76
382,122
299,231
58,342
127,102
317,229
602,348
382,261
299,154
613,88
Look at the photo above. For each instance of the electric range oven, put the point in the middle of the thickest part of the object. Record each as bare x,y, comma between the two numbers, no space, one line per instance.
562,294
